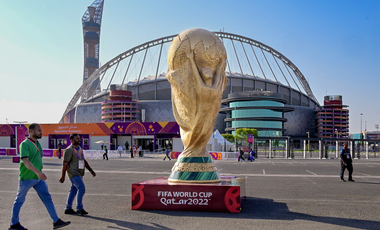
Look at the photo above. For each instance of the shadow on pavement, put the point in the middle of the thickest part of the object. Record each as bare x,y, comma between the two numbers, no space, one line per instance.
53,164
124,225
259,208
356,182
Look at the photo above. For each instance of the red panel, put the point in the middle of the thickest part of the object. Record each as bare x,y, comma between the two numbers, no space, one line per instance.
15,159
158,194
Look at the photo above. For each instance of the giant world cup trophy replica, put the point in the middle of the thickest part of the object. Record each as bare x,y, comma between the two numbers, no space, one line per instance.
197,63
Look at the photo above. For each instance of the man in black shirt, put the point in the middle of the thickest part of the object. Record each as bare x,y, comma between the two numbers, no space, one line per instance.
346,162
241,155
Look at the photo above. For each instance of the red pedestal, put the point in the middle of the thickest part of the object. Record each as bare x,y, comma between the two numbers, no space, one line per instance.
16,159
159,194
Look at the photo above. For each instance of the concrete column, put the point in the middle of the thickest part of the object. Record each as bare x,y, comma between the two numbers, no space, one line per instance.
352,150
304,149
270,149
336,149
366,149
287,149
320,149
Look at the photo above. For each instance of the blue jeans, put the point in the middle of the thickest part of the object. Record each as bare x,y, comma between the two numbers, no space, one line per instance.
77,186
43,192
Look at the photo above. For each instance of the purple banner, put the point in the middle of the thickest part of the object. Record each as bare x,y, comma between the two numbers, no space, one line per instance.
145,128
3,152
48,152
20,137
11,152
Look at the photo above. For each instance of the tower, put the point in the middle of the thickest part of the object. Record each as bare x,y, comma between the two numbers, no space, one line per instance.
333,118
91,22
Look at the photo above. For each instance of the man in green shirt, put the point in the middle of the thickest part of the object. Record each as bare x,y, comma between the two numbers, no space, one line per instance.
31,175
74,163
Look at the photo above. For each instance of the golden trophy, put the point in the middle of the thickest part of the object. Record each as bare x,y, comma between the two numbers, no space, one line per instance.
197,63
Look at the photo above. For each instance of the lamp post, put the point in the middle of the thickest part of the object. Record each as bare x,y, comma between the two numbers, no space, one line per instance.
308,141
20,122
361,123
235,131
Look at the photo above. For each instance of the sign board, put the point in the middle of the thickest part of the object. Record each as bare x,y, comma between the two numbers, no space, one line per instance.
250,138
158,194
20,137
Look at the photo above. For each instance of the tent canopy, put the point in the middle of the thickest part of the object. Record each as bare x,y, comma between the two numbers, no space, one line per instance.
220,138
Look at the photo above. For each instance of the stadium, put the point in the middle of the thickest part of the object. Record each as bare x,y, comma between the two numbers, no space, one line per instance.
265,91
256,71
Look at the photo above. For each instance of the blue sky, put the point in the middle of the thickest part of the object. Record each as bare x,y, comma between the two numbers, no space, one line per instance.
335,44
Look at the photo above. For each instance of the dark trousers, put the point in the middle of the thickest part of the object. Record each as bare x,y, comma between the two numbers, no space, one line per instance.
349,168
131,154
105,156
241,157
167,156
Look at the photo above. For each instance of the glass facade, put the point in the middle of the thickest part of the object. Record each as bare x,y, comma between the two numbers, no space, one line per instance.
264,113
255,103
257,124
266,133
253,113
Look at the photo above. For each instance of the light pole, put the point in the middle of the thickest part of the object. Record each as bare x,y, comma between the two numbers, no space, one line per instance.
20,122
235,130
308,141
361,123
377,130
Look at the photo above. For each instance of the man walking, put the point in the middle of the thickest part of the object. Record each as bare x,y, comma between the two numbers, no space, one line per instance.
105,154
120,150
126,146
74,163
31,175
346,162
59,150
251,155
131,149
167,154
241,155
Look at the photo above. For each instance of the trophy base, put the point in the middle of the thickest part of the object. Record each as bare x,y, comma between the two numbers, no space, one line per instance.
194,177
160,194
194,170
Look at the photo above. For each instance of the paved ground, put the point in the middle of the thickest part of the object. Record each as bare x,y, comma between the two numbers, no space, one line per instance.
281,194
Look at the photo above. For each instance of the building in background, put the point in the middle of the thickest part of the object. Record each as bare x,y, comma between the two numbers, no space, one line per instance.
260,110
91,23
333,118
149,135
252,67
120,107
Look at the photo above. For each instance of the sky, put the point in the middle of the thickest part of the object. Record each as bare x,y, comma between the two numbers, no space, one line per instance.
335,44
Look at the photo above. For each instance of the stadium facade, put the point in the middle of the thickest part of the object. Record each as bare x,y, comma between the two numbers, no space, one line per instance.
277,108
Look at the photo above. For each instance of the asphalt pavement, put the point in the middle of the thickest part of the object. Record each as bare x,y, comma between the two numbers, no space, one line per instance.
281,194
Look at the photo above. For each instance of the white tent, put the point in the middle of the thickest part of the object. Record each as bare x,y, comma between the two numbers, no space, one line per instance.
218,143
216,135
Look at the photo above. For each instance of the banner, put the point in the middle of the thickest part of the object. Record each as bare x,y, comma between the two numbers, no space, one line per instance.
250,138
20,137
3,152
158,194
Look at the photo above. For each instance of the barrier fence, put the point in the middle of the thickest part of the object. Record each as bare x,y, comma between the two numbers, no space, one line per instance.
280,147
